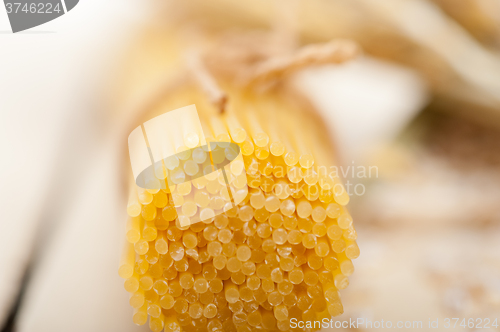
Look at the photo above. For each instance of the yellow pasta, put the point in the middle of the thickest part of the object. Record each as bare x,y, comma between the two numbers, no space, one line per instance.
283,252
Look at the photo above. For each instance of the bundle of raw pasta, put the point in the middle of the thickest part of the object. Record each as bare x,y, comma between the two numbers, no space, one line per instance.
283,252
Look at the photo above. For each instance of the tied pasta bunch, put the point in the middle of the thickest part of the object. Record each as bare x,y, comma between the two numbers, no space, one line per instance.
284,251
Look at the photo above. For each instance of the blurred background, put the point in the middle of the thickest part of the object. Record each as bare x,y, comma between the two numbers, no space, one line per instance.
421,105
